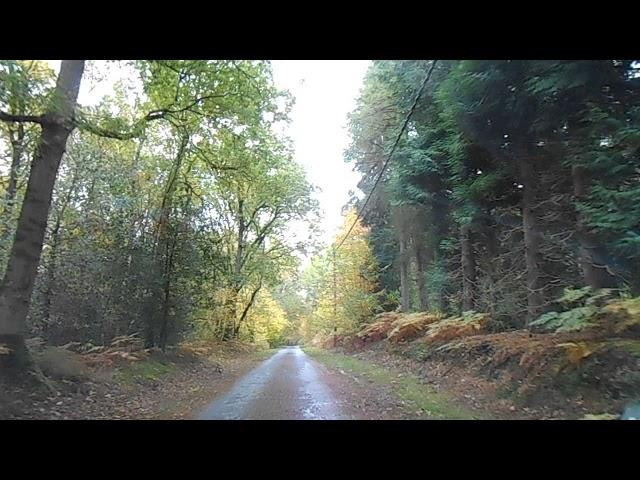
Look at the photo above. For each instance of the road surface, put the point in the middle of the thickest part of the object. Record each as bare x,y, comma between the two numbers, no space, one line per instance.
287,386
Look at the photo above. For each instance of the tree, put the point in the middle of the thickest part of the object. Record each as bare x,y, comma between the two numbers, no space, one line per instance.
144,231
341,283
25,88
17,284
513,181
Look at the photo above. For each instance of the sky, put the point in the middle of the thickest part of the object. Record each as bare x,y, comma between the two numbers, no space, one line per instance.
325,92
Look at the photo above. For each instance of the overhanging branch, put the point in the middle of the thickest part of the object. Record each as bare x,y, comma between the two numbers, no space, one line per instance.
7,117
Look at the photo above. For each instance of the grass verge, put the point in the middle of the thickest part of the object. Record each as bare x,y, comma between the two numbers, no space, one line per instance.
264,354
150,370
406,387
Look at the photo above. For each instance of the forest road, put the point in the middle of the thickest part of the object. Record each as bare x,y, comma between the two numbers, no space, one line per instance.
287,386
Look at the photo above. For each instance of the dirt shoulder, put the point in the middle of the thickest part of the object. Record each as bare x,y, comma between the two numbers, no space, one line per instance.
175,385
586,373
437,389
382,390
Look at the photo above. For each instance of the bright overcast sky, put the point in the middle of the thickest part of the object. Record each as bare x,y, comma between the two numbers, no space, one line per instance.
325,92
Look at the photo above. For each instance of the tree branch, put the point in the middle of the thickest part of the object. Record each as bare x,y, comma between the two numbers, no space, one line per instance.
135,131
249,305
7,117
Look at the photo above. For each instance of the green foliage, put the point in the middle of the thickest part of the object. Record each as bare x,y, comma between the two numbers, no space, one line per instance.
478,124
150,370
341,288
583,306
588,308
389,300
575,319
585,295
172,205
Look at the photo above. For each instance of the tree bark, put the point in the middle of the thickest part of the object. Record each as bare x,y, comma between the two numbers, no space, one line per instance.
246,310
405,303
17,147
167,198
17,284
468,268
492,246
168,272
594,272
161,250
532,237
237,267
420,280
237,270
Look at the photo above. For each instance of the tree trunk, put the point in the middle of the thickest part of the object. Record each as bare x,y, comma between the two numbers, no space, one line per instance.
17,147
405,303
444,290
164,324
237,267
17,284
532,239
246,310
492,246
167,198
468,268
51,273
53,255
594,273
168,272
17,138
229,330
161,251
420,280
237,270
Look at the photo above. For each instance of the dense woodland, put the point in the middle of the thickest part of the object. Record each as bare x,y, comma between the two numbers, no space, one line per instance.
165,209
516,183
166,216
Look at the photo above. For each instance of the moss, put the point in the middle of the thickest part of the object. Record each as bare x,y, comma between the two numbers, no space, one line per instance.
408,387
417,351
146,371
630,346
508,391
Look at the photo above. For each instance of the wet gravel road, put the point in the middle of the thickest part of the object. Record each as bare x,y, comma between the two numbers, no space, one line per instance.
287,386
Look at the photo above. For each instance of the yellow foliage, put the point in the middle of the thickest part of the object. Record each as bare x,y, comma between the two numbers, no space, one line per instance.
379,329
621,315
456,327
267,321
601,416
344,282
411,326
577,351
